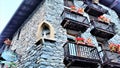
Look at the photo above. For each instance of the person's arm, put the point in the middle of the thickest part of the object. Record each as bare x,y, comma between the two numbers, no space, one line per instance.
2,49
6,47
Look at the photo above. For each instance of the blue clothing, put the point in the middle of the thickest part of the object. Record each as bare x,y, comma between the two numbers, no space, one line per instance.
8,54
2,48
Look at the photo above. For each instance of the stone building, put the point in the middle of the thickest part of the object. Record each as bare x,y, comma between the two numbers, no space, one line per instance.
43,34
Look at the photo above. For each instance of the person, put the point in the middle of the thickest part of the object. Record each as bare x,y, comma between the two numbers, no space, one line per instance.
6,45
1,50
8,54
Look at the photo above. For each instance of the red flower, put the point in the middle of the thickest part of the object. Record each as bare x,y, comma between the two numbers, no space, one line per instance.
78,39
118,48
80,10
113,47
73,7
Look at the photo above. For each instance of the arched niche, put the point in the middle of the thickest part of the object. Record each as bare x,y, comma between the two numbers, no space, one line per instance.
45,32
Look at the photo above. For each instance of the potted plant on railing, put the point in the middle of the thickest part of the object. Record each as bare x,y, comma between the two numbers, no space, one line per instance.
104,19
77,10
80,10
89,42
73,8
113,47
118,49
80,40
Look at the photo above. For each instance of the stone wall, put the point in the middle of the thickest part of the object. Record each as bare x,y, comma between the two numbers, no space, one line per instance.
27,36
25,44
49,54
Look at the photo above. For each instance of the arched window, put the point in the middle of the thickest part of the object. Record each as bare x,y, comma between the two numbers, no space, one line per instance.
45,32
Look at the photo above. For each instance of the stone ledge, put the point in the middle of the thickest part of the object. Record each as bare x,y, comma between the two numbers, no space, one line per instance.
42,40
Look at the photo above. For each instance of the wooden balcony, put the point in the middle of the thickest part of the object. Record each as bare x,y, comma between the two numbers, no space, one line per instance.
81,55
74,21
102,29
95,10
110,59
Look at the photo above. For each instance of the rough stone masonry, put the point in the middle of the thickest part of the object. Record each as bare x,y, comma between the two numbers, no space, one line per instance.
49,54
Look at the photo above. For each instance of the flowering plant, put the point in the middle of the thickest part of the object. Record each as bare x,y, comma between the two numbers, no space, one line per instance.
103,19
89,42
79,10
73,8
118,48
9,64
113,47
79,40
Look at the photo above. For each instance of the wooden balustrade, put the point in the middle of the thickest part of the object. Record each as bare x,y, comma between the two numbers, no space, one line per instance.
74,21
110,59
102,29
95,10
81,55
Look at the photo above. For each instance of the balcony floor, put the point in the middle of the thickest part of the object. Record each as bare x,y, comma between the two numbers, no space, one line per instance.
102,33
74,25
80,61
95,10
113,60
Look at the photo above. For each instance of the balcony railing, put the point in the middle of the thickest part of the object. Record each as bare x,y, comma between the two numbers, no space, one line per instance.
102,29
110,59
81,55
95,10
74,21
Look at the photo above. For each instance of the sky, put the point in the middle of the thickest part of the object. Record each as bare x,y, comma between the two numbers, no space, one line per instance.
7,9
